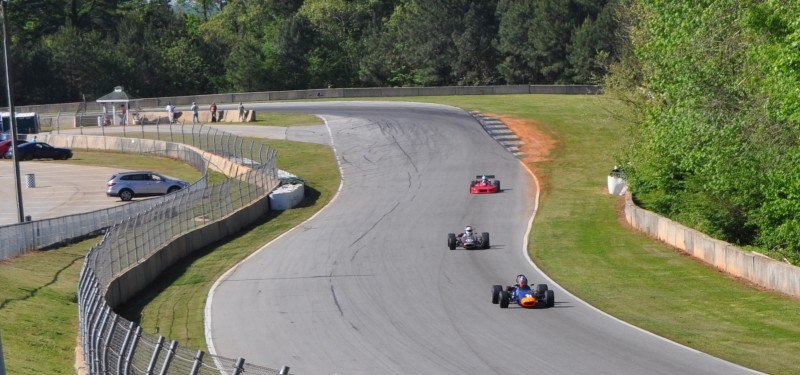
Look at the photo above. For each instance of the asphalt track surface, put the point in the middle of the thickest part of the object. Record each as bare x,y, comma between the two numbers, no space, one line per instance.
368,286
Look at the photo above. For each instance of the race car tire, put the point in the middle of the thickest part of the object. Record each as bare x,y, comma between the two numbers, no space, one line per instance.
496,290
451,241
549,298
485,238
504,298
541,288
496,183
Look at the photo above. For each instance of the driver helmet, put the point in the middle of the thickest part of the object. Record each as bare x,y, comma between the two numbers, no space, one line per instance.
483,178
522,280
468,230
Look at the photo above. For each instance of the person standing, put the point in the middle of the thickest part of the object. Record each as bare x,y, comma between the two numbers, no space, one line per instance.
241,112
195,116
171,112
124,115
213,110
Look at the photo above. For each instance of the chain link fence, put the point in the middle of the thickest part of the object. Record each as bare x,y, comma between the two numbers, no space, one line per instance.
110,343
20,238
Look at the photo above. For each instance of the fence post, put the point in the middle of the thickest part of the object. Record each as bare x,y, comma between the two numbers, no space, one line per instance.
198,359
154,358
98,329
239,366
107,344
170,353
129,356
124,348
2,362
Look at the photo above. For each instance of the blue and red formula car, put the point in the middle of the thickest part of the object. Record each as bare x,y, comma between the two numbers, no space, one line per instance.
484,184
523,295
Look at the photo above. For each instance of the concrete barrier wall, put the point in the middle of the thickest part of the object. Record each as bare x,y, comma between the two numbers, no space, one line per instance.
74,108
758,269
145,272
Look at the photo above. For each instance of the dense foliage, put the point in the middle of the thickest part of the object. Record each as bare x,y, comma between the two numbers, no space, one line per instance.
65,50
717,86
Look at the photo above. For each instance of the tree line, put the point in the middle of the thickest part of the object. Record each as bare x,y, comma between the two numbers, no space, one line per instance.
712,85
714,88
68,50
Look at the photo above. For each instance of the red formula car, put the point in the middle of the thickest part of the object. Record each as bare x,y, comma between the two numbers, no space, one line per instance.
484,184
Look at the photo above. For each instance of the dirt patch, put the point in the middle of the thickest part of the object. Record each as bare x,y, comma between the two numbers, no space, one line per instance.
536,144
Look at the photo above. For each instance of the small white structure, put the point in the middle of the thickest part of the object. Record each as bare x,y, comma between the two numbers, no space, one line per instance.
117,96
287,195
616,182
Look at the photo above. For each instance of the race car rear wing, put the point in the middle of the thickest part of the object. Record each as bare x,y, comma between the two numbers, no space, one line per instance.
478,177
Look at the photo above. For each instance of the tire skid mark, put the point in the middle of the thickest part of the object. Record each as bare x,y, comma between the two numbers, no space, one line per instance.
375,223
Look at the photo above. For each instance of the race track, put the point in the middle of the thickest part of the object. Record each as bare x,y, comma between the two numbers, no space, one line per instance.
368,285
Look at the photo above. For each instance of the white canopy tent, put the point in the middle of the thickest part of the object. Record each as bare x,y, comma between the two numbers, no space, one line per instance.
117,96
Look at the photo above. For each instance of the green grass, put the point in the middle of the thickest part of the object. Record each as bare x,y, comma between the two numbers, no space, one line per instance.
174,306
38,309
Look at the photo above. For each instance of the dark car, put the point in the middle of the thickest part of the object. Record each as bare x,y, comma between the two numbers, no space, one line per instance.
468,240
39,150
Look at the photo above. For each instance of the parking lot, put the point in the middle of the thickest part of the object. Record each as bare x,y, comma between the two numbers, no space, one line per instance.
61,189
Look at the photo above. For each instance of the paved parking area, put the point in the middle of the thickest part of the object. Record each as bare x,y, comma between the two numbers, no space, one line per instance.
61,189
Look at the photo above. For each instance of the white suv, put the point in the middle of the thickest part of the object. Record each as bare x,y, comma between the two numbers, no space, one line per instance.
127,185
